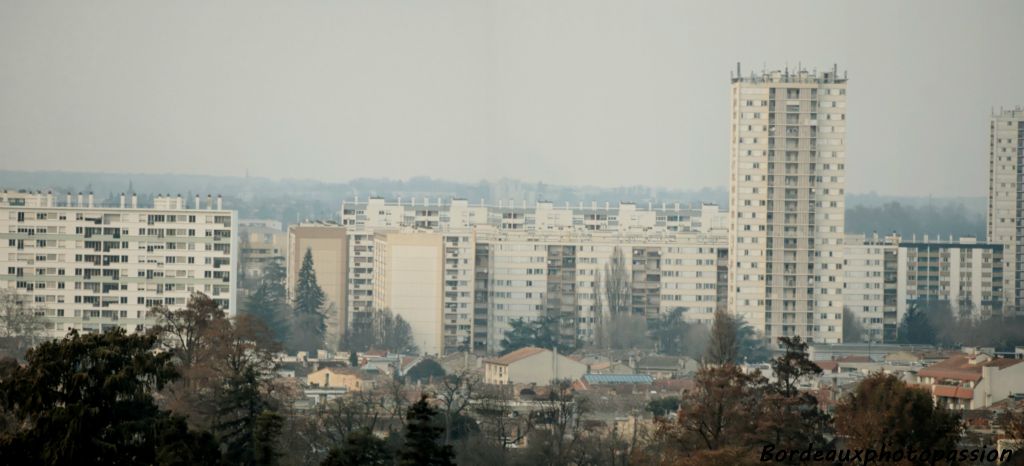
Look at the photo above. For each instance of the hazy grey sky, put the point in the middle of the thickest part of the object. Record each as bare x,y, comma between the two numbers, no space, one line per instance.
583,92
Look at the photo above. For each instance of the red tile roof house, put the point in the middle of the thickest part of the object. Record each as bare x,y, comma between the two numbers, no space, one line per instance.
972,381
531,365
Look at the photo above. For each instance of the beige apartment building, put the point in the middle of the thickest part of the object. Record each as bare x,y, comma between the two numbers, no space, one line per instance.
408,280
94,267
786,202
1006,197
886,276
462,273
329,246
260,243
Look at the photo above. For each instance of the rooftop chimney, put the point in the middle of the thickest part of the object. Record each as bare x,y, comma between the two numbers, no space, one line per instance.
122,201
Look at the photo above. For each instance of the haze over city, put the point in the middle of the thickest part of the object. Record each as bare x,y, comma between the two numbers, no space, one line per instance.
506,233
573,92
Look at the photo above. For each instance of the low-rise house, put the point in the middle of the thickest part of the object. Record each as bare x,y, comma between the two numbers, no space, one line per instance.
665,367
531,365
972,381
461,361
610,367
352,380
873,351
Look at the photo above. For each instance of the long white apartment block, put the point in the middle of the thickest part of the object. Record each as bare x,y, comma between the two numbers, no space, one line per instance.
461,273
535,275
437,214
94,267
786,202
1005,221
886,276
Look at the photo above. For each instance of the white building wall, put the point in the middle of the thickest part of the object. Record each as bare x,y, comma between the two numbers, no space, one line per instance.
92,267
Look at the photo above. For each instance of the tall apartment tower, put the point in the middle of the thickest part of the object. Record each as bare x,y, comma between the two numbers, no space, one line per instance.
786,203
1005,223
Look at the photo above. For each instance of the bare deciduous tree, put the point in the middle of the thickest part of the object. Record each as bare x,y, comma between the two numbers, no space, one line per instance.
617,287
455,393
501,422
21,325
724,345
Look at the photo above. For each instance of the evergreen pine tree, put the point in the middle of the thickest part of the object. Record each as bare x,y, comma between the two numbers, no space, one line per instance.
916,328
248,427
307,327
268,302
423,435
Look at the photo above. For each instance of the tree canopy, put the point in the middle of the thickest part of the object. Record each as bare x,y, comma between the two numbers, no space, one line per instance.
423,438
542,333
885,410
86,399
269,301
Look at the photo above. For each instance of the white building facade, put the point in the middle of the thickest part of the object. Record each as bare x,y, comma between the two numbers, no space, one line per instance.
1006,197
786,203
92,268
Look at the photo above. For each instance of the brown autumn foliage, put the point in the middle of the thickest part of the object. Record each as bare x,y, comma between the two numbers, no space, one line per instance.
885,410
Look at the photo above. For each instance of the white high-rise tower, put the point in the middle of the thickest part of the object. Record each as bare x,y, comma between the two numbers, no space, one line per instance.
786,203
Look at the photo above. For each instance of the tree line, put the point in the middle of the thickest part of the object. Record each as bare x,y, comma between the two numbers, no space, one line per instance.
201,389
937,323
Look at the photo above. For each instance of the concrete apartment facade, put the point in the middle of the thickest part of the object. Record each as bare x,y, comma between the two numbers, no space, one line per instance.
886,276
1005,222
409,280
531,275
260,243
328,244
91,267
507,262
786,203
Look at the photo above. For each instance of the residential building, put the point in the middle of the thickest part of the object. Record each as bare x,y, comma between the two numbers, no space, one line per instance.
532,275
867,286
666,367
93,267
258,245
1005,222
328,245
352,380
532,365
786,203
378,213
973,381
408,280
511,261
886,276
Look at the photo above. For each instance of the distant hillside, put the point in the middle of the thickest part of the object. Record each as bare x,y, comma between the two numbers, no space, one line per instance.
292,200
